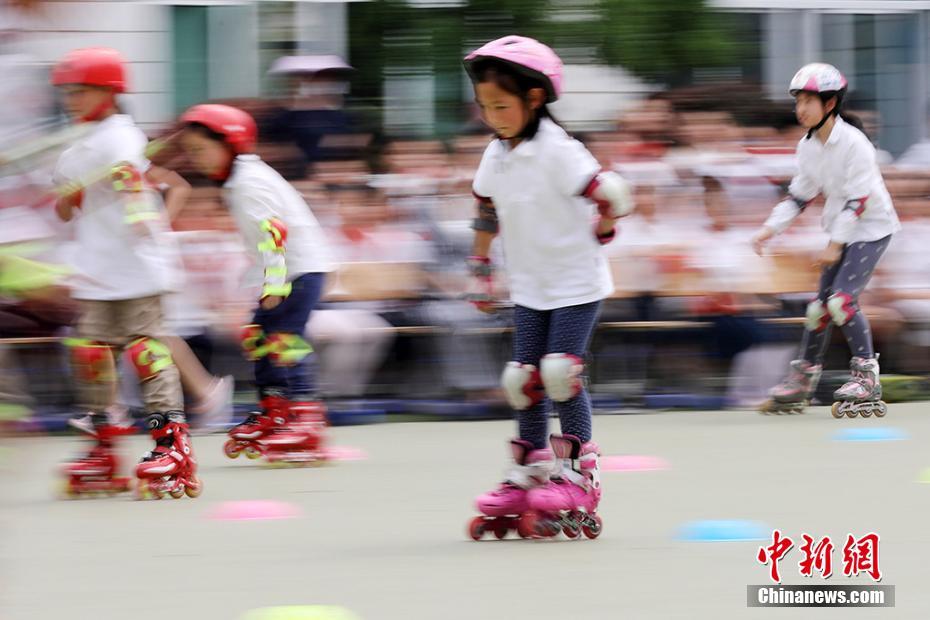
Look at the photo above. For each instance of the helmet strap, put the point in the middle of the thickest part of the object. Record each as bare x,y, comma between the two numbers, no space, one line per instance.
223,175
101,111
834,112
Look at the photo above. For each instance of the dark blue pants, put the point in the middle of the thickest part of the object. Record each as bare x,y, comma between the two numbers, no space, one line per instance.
563,330
297,382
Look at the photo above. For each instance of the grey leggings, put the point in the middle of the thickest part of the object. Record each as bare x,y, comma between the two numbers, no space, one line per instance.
838,302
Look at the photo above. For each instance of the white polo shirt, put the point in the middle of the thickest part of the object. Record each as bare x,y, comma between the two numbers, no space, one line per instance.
256,192
111,259
552,257
843,168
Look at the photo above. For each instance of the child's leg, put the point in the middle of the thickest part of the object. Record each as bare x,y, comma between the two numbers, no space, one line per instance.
855,270
142,320
563,367
291,322
521,384
818,327
92,356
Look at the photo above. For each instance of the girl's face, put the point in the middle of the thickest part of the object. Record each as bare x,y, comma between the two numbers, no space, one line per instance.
208,156
83,101
505,112
809,109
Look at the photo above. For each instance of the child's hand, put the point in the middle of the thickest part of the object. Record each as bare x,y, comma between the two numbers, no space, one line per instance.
761,238
271,302
830,255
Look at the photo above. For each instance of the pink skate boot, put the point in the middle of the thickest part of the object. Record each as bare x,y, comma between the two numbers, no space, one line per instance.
502,508
569,501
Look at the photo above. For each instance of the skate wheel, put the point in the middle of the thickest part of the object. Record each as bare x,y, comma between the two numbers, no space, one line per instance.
500,530
231,449
851,411
194,488
253,453
836,410
571,531
143,491
529,525
866,412
594,527
881,410
66,490
476,528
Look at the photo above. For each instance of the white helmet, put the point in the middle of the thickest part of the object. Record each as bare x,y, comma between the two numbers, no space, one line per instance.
819,78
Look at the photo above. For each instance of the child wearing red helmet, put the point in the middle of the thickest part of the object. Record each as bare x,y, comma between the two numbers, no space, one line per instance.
105,186
290,262
539,189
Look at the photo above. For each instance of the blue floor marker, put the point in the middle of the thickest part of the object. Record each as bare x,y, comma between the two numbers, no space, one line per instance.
725,530
870,434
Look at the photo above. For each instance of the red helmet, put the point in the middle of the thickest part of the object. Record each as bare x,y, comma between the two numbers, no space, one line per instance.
93,66
235,125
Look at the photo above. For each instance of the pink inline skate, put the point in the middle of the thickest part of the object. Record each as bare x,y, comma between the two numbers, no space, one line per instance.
170,468
503,508
568,503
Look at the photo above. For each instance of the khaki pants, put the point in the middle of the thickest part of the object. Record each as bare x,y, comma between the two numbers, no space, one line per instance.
116,323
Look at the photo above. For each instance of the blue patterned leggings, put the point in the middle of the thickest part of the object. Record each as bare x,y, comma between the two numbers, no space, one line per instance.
563,330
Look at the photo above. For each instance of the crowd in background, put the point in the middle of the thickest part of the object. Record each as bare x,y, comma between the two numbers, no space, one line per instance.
707,166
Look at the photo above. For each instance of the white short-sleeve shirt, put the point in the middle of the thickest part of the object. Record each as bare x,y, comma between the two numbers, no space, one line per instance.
552,257
113,261
256,192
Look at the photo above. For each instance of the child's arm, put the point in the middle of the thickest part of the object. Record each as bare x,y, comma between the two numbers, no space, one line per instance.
479,263
485,227
272,248
801,193
859,165
266,232
178,190
614,200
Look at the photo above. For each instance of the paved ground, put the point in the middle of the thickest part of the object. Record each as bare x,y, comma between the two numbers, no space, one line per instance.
385,536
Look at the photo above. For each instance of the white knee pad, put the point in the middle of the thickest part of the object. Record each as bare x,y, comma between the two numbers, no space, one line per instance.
561,375
521,385
816,316
842,308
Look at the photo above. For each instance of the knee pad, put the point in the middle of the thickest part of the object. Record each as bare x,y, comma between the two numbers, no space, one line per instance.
816,316
561,375
252,341
149,357
842,308
286,349
92,360
521,385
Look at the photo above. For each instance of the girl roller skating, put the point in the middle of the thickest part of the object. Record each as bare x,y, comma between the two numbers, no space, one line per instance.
289,255
554,208
104,184
837,160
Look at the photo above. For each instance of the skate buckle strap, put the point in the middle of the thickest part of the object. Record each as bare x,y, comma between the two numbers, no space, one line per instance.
526,476
569,474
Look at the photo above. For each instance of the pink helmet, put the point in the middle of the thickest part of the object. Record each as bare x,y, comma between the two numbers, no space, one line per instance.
527,56
817,77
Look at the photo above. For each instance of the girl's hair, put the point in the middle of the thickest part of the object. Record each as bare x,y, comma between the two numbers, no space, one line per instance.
848,118
855,121
206,132
510,80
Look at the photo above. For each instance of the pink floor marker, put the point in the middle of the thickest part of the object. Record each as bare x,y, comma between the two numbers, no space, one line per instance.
633,462
345,453
253,510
